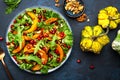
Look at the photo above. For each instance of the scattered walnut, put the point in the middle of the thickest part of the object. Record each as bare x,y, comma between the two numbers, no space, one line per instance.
57,4
82,18
56,1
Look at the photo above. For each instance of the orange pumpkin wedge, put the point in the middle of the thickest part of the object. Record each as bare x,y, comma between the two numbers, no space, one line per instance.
18,49
28,48
51,20
60,50
33,37
44,56
35,21
36,67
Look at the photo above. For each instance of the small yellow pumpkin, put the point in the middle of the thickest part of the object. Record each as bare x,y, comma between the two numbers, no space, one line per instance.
109,17
93,39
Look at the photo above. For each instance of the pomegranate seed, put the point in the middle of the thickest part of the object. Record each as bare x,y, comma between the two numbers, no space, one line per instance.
92,66
68,46
53,31
62,35
39,20
15,21
15,46
46,35
15,57
7,43
26,24
51,57
20,17
43,63
58,59
37,29
32,41
1,38
56,51
44,48
56,23
64,45
38,55
78,61
25,34
44,11
34,10
40,37
28,47
39,16
44,18
12,26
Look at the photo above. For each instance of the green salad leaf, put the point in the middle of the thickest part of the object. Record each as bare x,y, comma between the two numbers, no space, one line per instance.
41,43
25,66
30,58
53,43
18,36
44,69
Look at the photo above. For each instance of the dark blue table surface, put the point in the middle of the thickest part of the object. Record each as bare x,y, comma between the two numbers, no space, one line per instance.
107,64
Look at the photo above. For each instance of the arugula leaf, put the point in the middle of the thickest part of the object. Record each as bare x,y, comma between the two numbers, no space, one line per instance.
53,62
53,43
44,69
18,36
11,37
41,43
11,5
25,66
30,58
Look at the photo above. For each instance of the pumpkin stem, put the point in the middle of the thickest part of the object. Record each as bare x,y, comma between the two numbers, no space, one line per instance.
102,34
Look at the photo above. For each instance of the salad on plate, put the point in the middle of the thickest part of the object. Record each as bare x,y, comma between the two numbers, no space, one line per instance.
39,40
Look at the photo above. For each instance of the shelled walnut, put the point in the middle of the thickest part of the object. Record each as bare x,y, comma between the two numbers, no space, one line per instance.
74,6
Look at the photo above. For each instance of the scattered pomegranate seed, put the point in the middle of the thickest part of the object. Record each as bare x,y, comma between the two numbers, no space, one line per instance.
92,66
1,38
7,43
78,61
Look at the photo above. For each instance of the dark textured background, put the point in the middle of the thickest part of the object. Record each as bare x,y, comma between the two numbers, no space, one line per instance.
107,64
